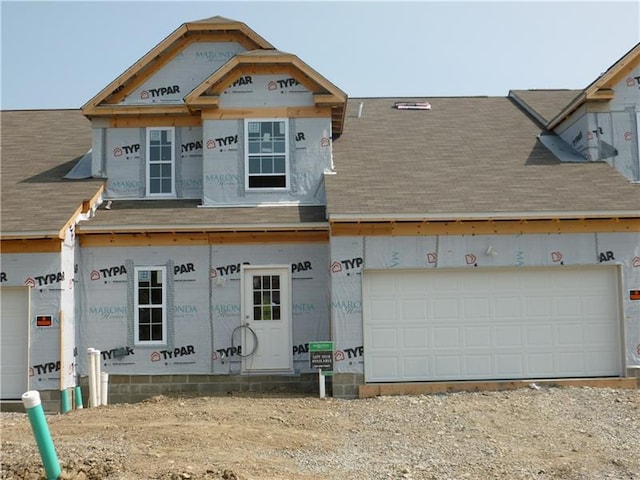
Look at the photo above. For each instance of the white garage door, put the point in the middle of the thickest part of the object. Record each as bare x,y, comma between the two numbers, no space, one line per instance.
14,341
491,324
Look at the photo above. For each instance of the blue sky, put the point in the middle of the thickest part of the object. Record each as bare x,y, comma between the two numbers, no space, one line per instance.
60,54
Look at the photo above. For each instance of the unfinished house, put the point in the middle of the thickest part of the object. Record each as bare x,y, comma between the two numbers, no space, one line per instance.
221,204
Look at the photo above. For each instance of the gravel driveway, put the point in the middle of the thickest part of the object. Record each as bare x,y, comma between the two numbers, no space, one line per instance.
547,433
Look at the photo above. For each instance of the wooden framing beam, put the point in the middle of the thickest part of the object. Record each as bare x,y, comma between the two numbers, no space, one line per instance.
203,238
601,95
155,121
430,388
84,207
486,227
272,112
152,110
31,245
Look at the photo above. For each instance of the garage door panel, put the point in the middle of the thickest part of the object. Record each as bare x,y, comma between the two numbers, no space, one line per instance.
415,337
567,306
444,307
413,308
491,323
382,311
14,338
446,337
540,336
446,366
478,366
476,307
479,336
509,365
597,335
601,360
572,363
506,307
538,306
535,281
595,305
508,336
386,368
543,363
415,366
569,335
384,339
412,284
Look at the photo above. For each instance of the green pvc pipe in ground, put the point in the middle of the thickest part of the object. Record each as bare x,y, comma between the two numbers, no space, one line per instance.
65,401
78,397
33,406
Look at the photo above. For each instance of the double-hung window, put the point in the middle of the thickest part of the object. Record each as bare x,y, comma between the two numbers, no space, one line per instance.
160,161
150,305
267,154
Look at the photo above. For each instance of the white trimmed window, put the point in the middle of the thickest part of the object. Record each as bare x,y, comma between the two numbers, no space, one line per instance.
160,161
267,154
150,305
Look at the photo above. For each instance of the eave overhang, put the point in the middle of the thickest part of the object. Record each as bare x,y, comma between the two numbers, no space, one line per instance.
490,223
486,216
201,228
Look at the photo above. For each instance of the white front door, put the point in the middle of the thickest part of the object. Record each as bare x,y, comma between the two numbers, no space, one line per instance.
266,338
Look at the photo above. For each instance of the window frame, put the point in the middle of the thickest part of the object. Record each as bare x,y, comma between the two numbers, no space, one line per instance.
148,162
248,156
137,306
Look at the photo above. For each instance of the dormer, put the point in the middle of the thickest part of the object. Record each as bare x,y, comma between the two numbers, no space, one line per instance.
269,79
602,122
215,112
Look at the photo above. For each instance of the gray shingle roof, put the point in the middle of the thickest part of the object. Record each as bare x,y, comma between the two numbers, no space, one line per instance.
38,148
464,156
473,155
171,215
544,104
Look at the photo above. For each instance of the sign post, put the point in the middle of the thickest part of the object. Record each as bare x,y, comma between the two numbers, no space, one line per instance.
321,357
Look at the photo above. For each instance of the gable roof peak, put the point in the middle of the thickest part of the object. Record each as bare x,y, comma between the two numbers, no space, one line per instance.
163,52
215,19
600,88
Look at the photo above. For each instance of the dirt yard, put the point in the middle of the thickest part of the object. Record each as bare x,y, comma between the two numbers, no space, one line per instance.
550,433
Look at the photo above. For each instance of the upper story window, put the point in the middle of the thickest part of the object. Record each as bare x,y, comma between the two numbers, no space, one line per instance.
150,305
267,157
160,161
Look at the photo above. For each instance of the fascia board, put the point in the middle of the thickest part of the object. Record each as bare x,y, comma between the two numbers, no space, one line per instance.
244,227
452,217
31,235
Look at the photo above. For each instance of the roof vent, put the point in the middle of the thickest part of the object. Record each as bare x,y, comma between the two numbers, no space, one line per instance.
412,106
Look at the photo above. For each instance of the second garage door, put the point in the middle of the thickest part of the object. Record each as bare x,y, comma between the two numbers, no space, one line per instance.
430,325
14,341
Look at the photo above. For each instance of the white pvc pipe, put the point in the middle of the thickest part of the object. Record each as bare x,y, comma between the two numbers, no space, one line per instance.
321,383
104,388
96,374
92,380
